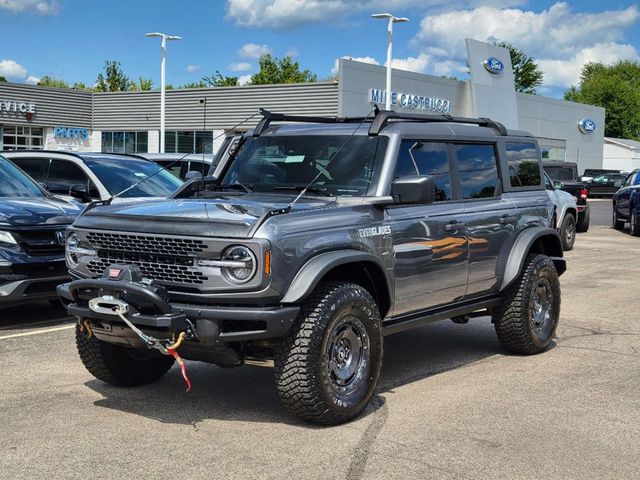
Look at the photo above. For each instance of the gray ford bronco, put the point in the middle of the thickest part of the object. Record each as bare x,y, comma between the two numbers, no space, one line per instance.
313,240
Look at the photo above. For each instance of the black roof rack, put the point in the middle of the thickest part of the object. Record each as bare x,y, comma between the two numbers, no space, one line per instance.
268,117
381,119
385,117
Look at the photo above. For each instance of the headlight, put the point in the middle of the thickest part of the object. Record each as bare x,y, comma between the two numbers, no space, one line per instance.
73,251
240,263
6,237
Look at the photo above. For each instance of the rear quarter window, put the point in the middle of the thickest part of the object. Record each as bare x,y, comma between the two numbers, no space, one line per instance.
524,169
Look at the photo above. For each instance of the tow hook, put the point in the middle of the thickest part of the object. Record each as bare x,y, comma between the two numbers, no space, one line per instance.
109,305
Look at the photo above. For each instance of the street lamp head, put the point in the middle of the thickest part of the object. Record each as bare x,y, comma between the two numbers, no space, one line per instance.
382,15
154,34
400,20
173,37
163,35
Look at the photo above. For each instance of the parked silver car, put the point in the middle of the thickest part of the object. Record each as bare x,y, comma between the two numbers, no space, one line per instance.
566,212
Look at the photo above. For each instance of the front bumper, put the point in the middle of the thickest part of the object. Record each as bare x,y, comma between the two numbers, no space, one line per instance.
212,324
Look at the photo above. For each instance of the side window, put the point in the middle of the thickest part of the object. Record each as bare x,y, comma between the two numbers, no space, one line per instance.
63,174
627,182
172,166
524,170
36,168
478,170
422,158
198,166
548,184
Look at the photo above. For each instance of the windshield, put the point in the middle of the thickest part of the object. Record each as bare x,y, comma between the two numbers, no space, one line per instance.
560,173
280,163
14,183
119,174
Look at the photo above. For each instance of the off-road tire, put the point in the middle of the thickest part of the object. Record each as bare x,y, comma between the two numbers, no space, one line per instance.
615,220
513,319
583,221
568,232
116,365
634,226
302,368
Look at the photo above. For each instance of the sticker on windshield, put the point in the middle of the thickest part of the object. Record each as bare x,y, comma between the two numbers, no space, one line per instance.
294,159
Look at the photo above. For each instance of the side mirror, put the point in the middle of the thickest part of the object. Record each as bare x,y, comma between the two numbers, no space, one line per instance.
558,185
193,174
79,191
414,189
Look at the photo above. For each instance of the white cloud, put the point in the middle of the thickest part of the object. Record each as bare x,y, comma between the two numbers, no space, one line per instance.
560,39
12,71
244,79
240,67
564,73
31,80
292,52
40,7
253,50
193,68
413,64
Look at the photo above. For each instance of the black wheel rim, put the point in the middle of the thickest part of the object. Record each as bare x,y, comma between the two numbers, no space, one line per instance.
632,221
570,231
347,355
542,314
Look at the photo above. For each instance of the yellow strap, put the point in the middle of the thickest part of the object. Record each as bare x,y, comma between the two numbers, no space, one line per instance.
175,345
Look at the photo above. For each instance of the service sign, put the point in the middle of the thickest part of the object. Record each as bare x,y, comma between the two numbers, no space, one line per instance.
587,126
411,101
11,106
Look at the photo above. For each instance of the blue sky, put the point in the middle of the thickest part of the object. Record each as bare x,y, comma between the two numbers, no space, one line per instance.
71,39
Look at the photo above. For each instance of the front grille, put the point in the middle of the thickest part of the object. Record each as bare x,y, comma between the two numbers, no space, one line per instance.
41,241
163,259
124,242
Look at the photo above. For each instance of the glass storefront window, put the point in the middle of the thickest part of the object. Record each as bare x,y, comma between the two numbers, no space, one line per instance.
21,138
188,142
125,142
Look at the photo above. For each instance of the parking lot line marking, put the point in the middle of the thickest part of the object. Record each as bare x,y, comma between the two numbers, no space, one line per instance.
38,332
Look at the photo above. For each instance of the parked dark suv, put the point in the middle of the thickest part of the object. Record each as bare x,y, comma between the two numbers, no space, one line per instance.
32,229
315,239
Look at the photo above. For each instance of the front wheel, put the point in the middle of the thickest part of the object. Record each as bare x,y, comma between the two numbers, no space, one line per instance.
118,365
615,220
568,232
634,228
528,316
328,365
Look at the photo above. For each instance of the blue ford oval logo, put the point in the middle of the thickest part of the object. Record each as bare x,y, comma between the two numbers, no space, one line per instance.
493,65
587,126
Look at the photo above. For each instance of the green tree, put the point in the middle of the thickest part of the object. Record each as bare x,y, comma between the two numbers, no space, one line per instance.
198,84
113,79
617,89
219,80
2,79
285,70
47,81
143,84
80,86
528,74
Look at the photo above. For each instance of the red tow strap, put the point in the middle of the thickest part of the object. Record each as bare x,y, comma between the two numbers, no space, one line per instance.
183,369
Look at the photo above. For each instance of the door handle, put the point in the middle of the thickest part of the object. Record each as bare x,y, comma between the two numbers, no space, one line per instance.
507,219
454,226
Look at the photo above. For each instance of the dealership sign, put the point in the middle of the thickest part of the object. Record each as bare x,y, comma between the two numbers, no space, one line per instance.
76,133
493,65
587,126
17,107
412,101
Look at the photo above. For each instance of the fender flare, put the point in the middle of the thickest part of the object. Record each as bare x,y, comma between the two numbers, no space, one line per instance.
522,246
317,267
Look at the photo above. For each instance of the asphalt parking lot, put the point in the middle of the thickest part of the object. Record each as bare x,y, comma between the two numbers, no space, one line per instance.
451,403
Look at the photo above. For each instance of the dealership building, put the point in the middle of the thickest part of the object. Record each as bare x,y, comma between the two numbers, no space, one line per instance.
196,119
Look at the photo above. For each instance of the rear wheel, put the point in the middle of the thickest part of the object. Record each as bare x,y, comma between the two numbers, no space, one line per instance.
568,231
528,316
634,228
119,365
583,221
328,365
615,220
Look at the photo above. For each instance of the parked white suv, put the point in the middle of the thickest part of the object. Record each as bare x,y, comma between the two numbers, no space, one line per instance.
566,211
95,176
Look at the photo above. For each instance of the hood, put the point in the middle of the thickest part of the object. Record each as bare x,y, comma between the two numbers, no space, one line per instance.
227,216
37,211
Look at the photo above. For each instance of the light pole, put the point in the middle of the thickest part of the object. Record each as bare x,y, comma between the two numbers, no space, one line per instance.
164,37
392,20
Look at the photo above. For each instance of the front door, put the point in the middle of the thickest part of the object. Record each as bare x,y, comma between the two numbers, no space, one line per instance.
429,241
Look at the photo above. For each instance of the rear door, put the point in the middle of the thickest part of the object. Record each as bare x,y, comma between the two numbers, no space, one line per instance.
490,216
429,241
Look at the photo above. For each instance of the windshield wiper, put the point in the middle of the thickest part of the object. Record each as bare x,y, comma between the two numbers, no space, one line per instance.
246,188
299,188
